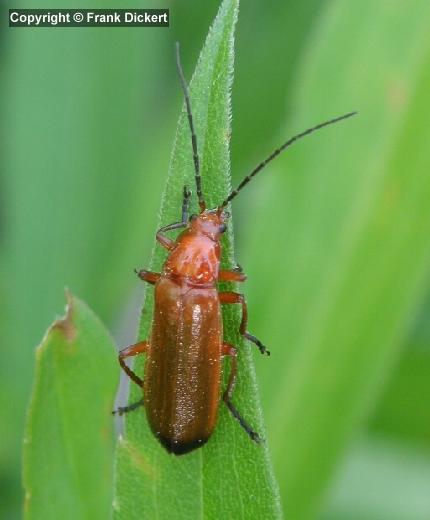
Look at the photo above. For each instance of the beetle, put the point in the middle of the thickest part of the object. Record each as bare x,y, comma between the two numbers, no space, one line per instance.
183,368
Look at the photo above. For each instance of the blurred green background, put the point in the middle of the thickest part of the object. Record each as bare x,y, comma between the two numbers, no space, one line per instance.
88,120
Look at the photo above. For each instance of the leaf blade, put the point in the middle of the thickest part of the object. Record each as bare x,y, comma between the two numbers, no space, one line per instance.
69,442
355,254
200,484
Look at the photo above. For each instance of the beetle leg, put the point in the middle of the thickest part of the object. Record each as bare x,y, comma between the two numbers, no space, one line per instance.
232,297
148,276
229,350
132,350
231,276
121,410
166,242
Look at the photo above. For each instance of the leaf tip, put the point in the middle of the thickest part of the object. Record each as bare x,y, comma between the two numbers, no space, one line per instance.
65,325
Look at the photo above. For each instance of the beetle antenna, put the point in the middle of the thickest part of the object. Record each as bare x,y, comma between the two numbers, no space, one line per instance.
278,151
184,85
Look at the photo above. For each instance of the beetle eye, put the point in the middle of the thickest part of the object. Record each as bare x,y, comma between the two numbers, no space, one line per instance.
222,228
193,217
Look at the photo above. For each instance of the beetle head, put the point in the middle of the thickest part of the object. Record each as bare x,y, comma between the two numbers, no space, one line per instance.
211,223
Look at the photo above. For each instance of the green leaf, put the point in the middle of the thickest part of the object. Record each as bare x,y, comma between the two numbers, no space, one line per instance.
218,480
381,479
69,441
403,411
80,122
347,220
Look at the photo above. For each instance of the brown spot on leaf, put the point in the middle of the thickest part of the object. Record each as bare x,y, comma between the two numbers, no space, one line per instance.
397,94
65,325
27,499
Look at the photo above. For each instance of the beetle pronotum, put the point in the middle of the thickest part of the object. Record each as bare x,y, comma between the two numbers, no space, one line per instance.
182,377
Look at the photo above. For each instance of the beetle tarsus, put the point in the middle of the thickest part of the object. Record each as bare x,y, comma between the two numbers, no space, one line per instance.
253,435
230,350
256,437
238,268
121,410
233,297
257,342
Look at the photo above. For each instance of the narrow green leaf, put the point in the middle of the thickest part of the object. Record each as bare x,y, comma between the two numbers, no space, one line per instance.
381,479
69,442
230,477
349,213
80,122
403,411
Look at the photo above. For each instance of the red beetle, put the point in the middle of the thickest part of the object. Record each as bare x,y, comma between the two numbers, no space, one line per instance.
182,379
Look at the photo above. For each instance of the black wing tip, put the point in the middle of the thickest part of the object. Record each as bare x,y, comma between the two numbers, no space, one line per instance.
180,448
